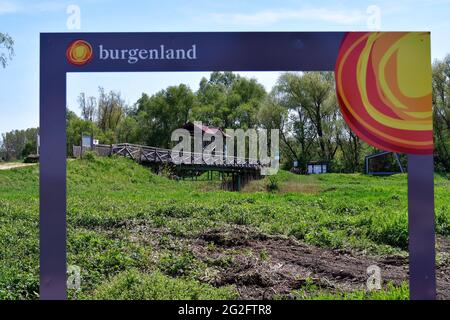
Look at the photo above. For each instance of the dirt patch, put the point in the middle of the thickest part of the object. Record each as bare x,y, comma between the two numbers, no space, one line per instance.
264,266
307,185
292,186
229,238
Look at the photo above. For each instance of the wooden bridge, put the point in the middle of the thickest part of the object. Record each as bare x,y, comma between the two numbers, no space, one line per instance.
233,171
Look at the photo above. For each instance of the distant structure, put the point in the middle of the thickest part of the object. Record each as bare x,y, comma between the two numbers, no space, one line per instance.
86,141
312,167
381,163
205,129
317,167
190,126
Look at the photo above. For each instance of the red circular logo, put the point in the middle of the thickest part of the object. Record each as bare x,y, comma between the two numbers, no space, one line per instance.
79,52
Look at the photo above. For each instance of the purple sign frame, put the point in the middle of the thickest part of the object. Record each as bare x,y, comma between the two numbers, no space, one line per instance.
214,51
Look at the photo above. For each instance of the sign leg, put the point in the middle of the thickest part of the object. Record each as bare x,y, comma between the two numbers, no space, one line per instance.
52,181
422,264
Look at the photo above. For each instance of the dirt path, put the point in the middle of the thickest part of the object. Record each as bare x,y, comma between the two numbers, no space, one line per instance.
13,165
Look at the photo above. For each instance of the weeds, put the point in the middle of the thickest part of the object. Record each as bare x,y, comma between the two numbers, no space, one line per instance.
133,285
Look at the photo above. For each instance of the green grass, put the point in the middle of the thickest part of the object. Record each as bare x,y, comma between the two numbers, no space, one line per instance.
133,285
389,292
107,198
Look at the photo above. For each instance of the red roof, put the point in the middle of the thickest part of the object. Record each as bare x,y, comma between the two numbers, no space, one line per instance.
208,130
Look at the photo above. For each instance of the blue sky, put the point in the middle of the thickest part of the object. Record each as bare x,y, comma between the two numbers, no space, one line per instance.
25,19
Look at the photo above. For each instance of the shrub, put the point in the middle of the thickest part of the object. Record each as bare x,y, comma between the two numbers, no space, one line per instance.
272,184
178,265
89,156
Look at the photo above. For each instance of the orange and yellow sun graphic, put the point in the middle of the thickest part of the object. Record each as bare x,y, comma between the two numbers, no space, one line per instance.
383,83
79,52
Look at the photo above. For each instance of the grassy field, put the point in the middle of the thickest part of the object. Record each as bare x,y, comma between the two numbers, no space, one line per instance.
136,235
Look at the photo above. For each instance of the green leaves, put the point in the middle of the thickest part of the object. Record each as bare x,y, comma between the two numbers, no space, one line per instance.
6,49
228,100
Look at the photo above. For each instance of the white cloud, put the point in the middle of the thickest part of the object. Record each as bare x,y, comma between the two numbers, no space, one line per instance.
273,16
48,6
17,6
8,7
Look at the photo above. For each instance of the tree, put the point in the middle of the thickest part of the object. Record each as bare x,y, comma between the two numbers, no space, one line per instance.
110,110
29,148
160,114
315,95
228,100
128,130
313,114
75,127
352,149
441,112
87,106
16,144
276,112
6,49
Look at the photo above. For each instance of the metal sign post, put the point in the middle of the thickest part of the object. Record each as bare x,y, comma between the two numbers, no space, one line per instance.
422,269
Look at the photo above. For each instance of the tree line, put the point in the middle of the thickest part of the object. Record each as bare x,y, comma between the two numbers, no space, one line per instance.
302,105
18,144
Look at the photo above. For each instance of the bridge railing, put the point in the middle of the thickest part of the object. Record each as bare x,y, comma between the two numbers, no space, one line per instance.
152,154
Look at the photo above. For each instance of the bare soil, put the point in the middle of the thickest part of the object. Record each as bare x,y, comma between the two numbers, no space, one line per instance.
289,263
263,266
